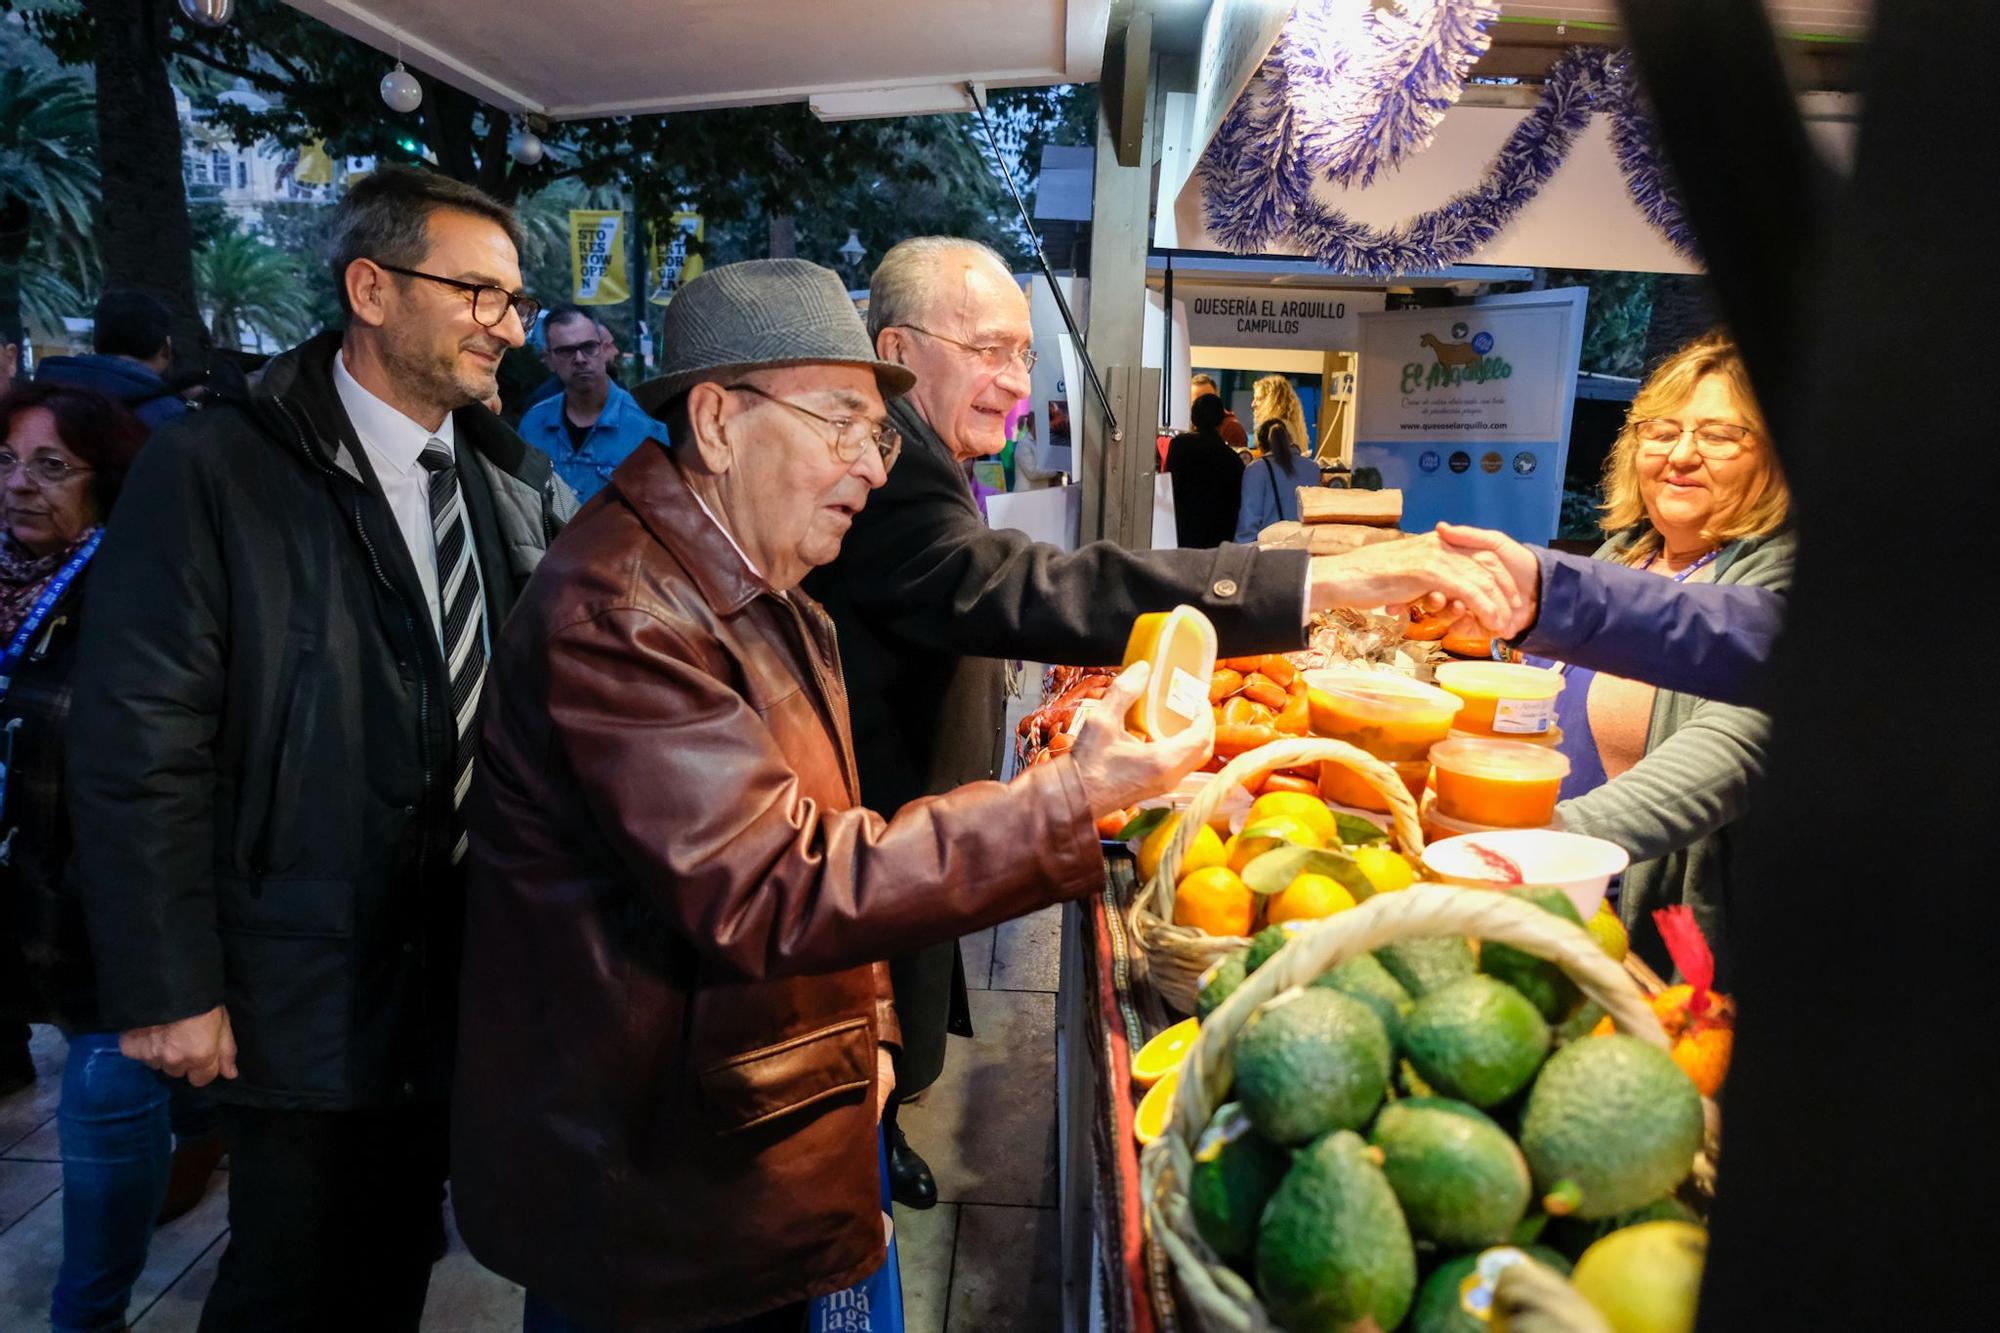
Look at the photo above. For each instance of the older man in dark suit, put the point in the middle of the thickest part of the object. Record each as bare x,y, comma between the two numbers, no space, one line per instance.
928,600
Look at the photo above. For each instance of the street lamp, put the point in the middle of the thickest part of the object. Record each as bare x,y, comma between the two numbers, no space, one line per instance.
852,252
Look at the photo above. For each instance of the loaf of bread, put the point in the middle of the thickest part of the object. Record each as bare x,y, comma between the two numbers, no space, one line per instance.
1375,509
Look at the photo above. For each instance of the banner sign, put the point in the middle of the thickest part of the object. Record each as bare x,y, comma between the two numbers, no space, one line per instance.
1467,409
1275,317
674,266
597,257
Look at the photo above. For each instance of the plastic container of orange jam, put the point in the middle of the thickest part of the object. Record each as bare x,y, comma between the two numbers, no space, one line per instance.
1180,645
1394,718
1502,698
1343,786
1502,784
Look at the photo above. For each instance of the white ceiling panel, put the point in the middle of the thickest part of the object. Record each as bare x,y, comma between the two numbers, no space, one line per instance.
573,58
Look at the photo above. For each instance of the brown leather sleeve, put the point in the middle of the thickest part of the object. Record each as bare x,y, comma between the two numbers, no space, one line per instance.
708,818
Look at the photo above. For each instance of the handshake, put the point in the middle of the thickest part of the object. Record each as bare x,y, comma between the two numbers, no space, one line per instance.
1486,581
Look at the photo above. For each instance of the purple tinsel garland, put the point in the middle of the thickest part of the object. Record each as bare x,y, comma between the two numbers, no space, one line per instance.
1258,180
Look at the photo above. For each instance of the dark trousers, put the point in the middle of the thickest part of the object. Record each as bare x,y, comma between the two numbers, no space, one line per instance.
538,1316
333,1219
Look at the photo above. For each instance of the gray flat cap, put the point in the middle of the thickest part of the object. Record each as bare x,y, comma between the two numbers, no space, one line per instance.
757,314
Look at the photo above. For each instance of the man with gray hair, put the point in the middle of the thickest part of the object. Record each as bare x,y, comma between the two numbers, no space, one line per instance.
928,600
271,738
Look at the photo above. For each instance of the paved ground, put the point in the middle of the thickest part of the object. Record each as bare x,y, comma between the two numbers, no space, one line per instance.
985,1257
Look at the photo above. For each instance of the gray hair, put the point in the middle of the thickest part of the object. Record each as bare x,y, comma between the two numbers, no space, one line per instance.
385,216
906,281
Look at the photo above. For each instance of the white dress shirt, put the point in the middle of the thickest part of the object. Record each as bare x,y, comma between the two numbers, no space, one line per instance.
393,443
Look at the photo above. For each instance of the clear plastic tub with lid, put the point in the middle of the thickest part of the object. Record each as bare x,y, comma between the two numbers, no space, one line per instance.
1503,698
1503,784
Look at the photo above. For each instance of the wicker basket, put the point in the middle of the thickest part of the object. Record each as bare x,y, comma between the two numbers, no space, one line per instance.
1217,1297
1172,958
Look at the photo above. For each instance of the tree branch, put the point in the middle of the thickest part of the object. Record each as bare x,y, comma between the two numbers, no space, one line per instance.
262,80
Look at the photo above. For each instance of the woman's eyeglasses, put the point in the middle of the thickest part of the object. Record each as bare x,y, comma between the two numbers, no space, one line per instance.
42,469
1712,439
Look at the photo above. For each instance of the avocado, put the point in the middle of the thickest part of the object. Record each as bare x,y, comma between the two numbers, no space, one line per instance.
1547,986
1442,1300
1423,965
1364,977
1235,1173
1477,1039
1334,1253
1611,1125
1263,944
1218,983
1460,1179
1308,1062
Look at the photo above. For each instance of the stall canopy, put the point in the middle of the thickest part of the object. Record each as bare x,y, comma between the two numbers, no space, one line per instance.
851,58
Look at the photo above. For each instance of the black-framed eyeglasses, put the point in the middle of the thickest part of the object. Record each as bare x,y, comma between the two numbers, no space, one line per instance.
993,356
42,469
851,434
490,304
586,351
1712,439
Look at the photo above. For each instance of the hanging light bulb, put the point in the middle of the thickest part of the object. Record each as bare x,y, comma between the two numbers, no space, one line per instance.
401,90
526,147
208,13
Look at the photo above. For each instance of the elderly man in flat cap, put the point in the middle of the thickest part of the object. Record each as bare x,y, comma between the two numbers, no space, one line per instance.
672,1063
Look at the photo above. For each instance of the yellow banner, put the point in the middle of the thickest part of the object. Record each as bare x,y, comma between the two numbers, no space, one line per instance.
597,257
674,265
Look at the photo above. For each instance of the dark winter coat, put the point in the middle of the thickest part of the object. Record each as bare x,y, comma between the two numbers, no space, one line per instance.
151,399
259,742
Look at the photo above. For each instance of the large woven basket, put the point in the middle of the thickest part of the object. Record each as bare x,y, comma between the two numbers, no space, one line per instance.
1215,1296
1172,958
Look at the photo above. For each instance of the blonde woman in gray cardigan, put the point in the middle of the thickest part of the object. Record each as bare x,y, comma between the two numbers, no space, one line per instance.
1693,493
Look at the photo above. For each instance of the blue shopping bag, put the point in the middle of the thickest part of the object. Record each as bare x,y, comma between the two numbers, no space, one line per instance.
874,1304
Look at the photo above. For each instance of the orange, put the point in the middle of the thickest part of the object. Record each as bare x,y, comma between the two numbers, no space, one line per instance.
1704,1057
1180,644
1204,851
1310,897
1309,810
1215,900
1263,835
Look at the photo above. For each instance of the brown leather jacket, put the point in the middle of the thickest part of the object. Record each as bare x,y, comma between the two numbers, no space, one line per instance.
664,1112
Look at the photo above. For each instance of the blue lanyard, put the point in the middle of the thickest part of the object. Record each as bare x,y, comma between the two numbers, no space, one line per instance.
52,593
1690,571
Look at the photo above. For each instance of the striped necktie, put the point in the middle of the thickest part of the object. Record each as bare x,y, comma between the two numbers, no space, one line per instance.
464,623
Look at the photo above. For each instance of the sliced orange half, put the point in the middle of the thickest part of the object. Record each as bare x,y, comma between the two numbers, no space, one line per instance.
1156,1108
1163,1054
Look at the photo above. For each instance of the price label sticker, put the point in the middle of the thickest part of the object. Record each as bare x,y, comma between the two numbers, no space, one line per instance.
1186,696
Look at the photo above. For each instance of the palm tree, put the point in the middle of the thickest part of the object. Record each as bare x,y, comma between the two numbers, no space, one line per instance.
48,191
245,285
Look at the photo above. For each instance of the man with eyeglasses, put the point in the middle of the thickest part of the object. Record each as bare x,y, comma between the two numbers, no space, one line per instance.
271,740
593,424
671,1065
928,600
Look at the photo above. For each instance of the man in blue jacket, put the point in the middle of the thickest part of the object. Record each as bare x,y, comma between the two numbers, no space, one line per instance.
590,427
133,351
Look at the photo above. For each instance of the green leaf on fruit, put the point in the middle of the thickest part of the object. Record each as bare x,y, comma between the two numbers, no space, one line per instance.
1144,822
1358,832
1275,869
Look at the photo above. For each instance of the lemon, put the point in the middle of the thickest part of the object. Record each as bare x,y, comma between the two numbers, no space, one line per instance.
1163,1054
1310,897
1308,810
1215,900
1609,932
1645,1278
1203,852
1260,836
1385,868
1156,1107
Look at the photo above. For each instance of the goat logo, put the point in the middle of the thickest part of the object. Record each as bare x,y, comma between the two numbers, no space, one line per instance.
1466,359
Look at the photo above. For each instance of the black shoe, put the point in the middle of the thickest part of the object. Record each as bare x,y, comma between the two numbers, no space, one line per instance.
910,1180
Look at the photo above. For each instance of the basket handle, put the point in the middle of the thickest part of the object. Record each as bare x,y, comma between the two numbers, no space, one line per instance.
1157,894
1420,910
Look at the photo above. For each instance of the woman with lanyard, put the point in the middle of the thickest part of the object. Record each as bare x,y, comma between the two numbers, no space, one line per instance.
1693,492
64,452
